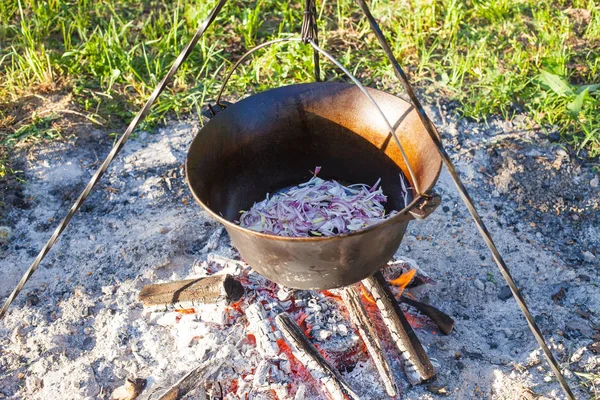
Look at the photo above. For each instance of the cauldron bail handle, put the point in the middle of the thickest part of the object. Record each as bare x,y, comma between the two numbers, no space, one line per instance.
237,64
411,172
424,203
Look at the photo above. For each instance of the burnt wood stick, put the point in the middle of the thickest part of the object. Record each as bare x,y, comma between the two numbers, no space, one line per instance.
260,327
190,381
443,321
358,313
417,366
312,360
190,292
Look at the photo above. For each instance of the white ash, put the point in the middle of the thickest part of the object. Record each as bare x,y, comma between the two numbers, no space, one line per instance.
284,294
363,380
134,230
268,376
267,369
324,319
261,328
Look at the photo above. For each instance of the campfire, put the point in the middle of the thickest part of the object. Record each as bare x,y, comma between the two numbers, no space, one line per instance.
297,344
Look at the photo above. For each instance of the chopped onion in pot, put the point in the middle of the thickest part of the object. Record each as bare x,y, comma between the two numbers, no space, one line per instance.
318,207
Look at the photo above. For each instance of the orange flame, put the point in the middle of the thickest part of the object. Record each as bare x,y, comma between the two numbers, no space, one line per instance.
186,310
330,294
301,319
237,306
403,280
366,295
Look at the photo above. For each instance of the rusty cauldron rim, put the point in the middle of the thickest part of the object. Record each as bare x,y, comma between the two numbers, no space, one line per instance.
400,215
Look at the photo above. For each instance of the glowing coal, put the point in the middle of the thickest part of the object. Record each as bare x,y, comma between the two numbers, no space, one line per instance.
261,361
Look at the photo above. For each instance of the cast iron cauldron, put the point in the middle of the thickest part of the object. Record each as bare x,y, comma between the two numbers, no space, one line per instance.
272,140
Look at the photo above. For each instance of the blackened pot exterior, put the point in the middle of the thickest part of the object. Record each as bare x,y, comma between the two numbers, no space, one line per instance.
273,139
320,265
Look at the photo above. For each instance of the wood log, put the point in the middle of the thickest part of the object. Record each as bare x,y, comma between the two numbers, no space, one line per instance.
312,360
358,313
189,381
191,292
260,327
417,365
261,375
444,322
213,241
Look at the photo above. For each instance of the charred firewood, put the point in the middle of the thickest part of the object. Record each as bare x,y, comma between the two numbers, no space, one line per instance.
312,360
444,322
417,366
191,292
260,327
191,380
358,313
268,380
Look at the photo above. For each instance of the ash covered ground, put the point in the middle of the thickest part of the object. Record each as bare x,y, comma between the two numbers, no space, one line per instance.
78,330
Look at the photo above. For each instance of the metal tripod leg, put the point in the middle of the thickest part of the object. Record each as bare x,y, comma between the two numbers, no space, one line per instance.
113,153
431,130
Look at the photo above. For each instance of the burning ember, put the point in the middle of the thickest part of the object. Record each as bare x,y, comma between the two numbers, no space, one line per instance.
275,343
319,208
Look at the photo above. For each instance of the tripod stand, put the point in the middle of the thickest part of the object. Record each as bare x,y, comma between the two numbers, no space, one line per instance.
309,35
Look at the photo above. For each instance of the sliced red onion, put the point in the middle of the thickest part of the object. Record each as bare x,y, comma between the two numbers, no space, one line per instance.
319,208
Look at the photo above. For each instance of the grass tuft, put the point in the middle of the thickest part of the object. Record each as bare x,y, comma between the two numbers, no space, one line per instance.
590,381
493,58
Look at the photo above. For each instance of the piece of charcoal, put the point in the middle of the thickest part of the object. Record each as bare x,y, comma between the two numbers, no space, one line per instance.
505,293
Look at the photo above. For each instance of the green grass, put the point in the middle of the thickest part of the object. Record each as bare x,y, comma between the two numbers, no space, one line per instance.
493,58
590,381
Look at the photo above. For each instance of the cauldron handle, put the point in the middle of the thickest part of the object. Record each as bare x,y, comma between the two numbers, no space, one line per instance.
220,106
413,177
415,210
